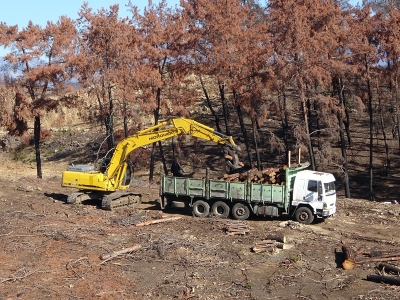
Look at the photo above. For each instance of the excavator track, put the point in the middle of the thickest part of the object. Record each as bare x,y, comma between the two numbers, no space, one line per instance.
79,197
120,199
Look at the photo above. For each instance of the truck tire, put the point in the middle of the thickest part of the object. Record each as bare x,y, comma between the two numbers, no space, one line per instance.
220,209
304,215
240,211
201,209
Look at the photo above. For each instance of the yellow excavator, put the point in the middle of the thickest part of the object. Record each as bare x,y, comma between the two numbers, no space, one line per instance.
110,181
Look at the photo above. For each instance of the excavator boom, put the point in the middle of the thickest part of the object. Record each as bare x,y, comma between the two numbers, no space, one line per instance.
163,131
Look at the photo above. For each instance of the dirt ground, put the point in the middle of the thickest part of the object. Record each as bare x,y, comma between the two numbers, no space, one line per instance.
53,250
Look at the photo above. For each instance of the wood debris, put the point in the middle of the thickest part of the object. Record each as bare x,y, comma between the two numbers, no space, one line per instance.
266,176
384,276
270,244
236,227
383,267
158,221
109,256
352,257
385,279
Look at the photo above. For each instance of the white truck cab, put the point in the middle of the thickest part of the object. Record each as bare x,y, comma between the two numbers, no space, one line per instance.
315,191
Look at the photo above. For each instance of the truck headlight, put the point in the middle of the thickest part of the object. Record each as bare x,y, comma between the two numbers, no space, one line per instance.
325,205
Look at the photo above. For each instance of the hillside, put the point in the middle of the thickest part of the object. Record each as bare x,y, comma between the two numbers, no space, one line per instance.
54,250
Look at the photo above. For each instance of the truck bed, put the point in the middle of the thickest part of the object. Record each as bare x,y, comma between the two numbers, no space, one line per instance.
217,189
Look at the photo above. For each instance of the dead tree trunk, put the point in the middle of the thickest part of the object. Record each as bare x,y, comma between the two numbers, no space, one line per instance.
110,120
243,127
371,128
255,138
338,86
210,106
306,127
346,121
285,123
153,150
387,165
36,135
225,108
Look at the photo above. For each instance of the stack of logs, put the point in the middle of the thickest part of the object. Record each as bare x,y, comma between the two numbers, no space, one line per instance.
271,243
233,227
266,176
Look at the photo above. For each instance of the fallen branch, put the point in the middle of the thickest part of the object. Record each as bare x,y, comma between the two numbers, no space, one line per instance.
158,221
376,259
18,277
383,254
108,256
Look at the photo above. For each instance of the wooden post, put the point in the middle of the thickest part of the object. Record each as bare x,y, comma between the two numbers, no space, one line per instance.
299,156
207,183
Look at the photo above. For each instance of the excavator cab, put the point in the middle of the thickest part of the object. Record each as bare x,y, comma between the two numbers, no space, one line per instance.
126,180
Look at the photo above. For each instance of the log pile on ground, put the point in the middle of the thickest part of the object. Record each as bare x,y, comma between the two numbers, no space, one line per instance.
233,227
265,176
271,243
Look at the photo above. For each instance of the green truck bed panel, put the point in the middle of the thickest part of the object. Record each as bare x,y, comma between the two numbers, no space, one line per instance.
181,186
267,193
192,187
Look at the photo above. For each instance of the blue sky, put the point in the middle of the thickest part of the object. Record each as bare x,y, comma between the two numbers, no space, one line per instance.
20,12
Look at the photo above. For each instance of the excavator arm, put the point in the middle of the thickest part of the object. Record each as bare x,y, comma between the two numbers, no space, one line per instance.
112,179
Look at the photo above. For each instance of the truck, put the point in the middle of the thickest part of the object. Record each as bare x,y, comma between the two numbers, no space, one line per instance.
304,196
109,182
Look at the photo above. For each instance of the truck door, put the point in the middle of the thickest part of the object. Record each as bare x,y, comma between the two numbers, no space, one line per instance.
313,191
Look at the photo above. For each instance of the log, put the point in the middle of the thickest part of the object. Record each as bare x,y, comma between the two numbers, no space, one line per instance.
258,249
384,279
231,176
158,221
277,237
237,232
116,253
389,268
227,156
349,254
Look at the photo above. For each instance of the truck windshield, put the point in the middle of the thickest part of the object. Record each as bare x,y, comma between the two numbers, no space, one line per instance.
329,187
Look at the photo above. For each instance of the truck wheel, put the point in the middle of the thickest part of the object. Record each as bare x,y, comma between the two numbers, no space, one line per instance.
201,209
304,215
240,211
220,209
